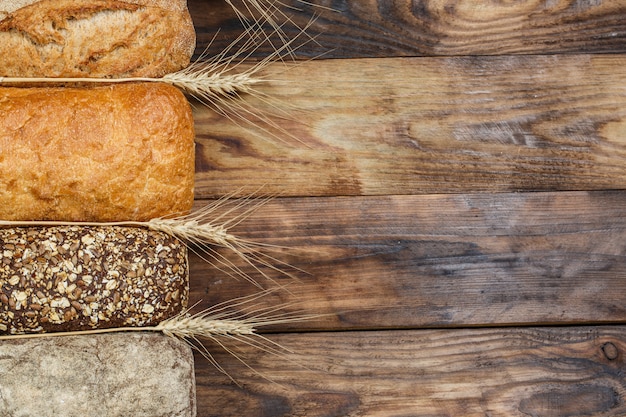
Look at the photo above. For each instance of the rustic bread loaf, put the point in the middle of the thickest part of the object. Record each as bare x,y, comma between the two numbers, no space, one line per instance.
94,38
112,375
107,153
68,278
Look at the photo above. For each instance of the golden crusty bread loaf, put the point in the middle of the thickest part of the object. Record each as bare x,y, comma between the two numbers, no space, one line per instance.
106,153
94,38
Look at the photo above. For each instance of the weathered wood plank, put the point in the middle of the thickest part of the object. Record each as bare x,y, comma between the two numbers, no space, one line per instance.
380,28
438,260
427,125
476,372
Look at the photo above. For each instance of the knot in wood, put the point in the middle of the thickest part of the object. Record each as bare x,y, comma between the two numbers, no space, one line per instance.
610,351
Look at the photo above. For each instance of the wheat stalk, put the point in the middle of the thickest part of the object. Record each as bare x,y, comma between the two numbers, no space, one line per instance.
256,14
210,81
190,329
196,80
232,321
204,230
219,83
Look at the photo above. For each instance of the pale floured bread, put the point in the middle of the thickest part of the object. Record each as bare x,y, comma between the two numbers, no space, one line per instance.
106,153
94,38
109,375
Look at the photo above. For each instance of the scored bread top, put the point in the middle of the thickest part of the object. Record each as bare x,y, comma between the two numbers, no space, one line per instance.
94,38
106,153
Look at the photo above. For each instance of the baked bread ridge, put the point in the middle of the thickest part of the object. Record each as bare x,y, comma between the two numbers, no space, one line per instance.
94,38
9,6
105,153
71,278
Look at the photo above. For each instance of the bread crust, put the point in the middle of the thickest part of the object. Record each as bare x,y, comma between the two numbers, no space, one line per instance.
94,38
105,153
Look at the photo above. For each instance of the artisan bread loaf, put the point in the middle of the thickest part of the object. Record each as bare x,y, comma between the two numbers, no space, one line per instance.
107,153
68,278
94,38
109,375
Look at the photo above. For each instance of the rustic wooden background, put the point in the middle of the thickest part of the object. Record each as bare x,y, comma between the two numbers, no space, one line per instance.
450,179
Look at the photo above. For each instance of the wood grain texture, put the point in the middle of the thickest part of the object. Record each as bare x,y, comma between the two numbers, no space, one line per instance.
382,28
574,371
437,260
454,211
425,125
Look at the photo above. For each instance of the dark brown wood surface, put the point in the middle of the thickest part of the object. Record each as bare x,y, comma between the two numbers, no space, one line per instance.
449,208
385,28
574,371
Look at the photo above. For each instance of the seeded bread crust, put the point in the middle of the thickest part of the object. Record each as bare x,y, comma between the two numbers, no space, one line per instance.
94,38
70,278
107,153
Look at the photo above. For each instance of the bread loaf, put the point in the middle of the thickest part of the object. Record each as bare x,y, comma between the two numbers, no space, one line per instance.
94,38
107,153
70,278
109,375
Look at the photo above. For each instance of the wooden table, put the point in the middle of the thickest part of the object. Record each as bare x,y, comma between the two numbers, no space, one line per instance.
449,180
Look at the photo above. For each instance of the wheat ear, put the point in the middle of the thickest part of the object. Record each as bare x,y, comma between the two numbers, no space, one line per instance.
209,226
249,81
223,329
235,321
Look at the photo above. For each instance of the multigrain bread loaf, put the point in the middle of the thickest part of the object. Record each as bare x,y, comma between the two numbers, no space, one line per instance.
107,153
110,375
94,38
68,278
